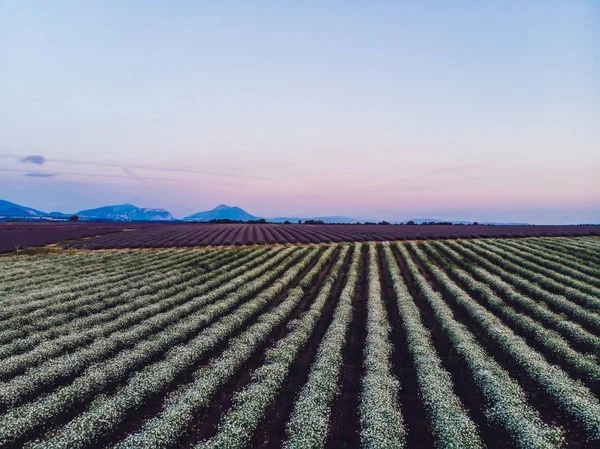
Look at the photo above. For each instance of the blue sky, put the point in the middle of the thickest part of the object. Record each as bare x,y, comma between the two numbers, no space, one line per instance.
454,110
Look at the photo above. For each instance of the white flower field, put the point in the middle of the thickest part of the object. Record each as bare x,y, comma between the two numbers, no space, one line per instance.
482,343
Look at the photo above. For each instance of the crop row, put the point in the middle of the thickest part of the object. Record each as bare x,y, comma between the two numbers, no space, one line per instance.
152,313
167,427
106,414
467,344
548,341
572,398
250,405
509,284
191,235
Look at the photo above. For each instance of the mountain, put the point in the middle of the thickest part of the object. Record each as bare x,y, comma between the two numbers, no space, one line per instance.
222,212
8,209
126,212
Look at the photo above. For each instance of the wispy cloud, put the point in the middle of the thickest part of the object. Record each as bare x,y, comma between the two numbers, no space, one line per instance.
33,159
92,175
131,174
128,167
40,175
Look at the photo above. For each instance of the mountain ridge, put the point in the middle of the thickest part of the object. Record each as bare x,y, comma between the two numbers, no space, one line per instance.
129,212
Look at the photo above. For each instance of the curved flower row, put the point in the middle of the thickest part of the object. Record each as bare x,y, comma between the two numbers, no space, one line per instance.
583,299
558,275
250,404
107,413
64,293
150,315
25,279
20,421
571,329
565,254
505,404
572,399
555,262
549,341
76,304
166,429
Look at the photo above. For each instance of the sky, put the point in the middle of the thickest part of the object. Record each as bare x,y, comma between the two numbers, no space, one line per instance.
457,110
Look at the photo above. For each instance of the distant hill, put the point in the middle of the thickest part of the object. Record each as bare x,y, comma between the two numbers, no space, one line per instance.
334,219
8,209
222,212
126,212
129,212
435,220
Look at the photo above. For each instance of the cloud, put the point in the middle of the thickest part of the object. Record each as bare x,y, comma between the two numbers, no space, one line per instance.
40,175
38,160
132,174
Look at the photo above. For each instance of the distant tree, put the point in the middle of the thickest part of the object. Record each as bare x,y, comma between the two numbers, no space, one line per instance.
475,223
286,222
73,218
262,221
299,221
383,222
410,222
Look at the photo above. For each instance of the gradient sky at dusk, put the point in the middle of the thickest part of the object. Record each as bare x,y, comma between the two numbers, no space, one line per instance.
484,111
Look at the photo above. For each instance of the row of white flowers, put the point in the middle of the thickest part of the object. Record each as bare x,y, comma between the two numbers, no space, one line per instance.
83,330
449,421
583,299
308,424
581,248
26,419
572,281
575,401
59,307
70,295
76,304
50,272
128,301
582,366
567,327
251,404
107,413
65,287
581,254
20,388
555,262
49,268
520,278
380,416
505,404
182,410
565,254
100,338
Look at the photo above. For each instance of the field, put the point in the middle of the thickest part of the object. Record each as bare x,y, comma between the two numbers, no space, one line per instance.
18,235
90,235
418,344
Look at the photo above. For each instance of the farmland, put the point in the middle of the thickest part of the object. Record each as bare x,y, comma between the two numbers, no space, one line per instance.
15,235
468,343
91,235
190,235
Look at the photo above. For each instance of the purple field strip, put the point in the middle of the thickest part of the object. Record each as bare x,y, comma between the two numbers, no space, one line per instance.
112,235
